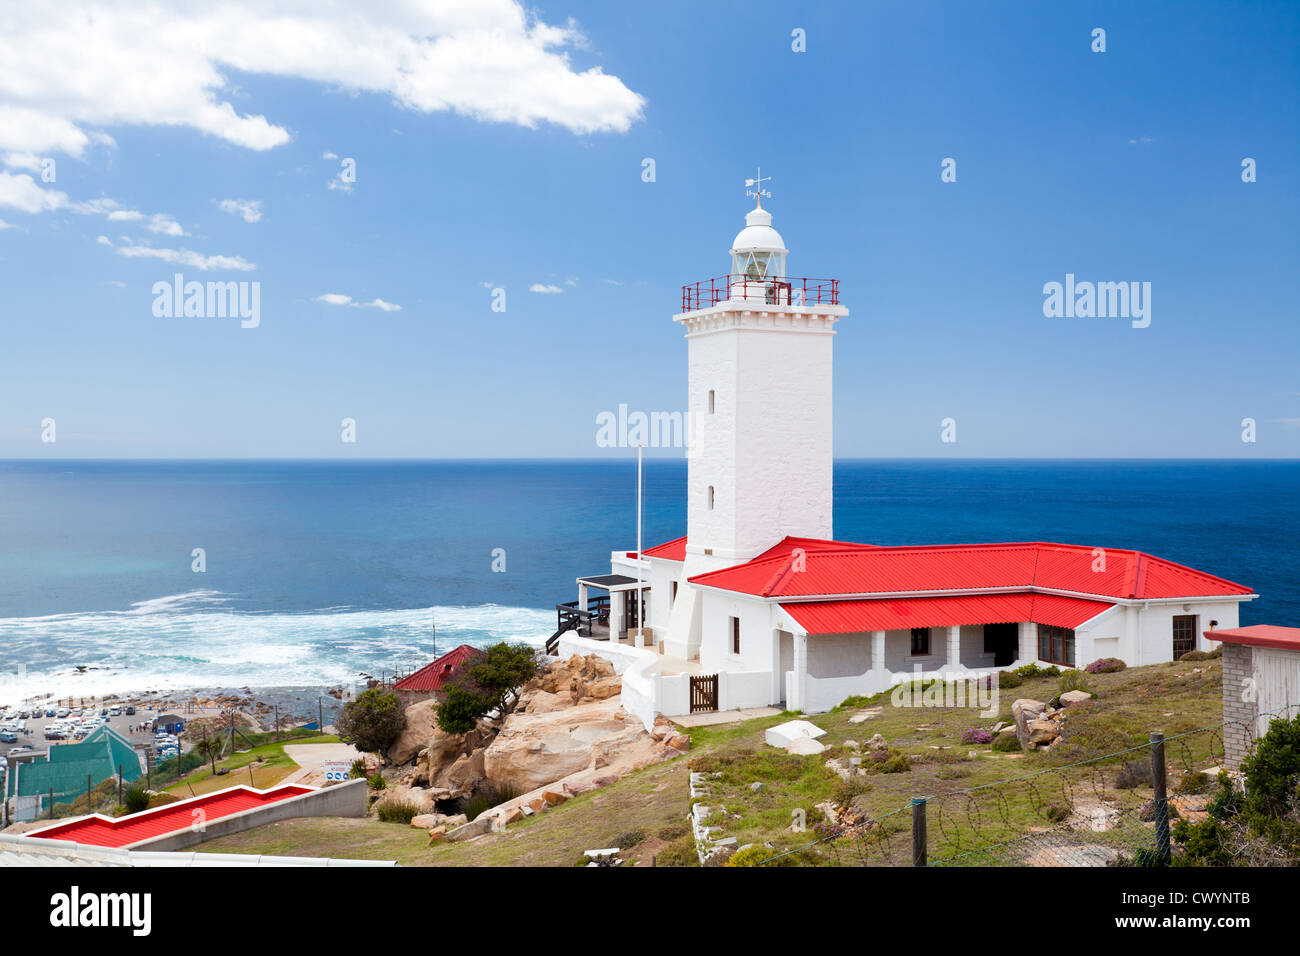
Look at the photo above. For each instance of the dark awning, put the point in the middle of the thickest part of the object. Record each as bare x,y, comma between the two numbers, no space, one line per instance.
608,581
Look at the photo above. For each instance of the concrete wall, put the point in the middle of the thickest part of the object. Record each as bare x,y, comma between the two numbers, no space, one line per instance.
341,800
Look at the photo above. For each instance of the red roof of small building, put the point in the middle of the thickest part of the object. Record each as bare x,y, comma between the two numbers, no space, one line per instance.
674,550
432,675
99,830
1259,635
887,614
836,568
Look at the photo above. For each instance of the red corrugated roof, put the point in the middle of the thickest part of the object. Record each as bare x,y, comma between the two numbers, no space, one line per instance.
887,614
99,830
1260,635
674,550
432,675
837,568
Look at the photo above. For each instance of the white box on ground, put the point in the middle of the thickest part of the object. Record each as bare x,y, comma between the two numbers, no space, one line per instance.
783,735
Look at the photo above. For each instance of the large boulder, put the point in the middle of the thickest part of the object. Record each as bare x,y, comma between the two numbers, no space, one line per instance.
1023,711
533,750
579,678
1072,697
421,722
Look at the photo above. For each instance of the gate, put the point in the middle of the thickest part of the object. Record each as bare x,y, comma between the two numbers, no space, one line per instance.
704,692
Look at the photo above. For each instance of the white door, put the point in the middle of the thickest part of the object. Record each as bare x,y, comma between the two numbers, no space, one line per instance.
1277,681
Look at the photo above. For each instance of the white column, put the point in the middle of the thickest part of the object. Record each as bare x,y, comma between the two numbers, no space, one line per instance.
877,650
1028,642
800,672
582,597
954,647
640,620
615,614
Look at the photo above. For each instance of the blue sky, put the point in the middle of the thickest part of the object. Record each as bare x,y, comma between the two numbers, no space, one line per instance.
487,155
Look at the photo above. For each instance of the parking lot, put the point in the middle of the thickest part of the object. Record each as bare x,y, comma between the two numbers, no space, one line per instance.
34,736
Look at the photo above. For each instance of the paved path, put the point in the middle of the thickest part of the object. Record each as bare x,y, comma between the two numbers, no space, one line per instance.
311,758
710,718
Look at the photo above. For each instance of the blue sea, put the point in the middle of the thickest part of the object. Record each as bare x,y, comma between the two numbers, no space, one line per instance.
317,572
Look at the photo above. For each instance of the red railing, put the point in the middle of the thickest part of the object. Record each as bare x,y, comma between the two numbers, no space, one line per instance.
785,290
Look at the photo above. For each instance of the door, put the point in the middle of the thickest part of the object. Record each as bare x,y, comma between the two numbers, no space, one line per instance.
1277,683
1184,634
1003,642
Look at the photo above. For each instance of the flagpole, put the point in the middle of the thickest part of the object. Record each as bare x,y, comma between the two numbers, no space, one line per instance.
640,603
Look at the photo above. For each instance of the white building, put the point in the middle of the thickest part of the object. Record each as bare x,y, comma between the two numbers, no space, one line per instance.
758,592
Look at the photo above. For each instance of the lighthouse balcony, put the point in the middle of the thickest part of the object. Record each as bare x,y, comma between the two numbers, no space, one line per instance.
773,290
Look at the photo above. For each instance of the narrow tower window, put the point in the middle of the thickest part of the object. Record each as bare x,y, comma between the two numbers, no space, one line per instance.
710,497
711,403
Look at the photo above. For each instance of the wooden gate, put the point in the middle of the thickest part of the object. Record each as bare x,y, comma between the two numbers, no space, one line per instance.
704,692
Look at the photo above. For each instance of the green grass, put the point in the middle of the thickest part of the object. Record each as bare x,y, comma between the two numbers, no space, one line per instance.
268,762
1172,698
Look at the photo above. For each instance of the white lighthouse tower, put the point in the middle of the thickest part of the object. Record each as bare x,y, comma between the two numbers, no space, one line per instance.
759,468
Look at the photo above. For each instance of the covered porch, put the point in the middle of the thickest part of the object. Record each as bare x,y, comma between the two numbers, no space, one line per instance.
612,615
818,671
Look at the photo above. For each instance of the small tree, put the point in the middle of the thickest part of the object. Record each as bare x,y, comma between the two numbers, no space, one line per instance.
137,799
484,684
372,722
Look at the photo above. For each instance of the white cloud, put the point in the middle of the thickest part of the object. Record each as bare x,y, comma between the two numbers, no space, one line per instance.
328,155
544,289
6,225
28,161
184,257
338,298
165,225
249,209
21,192
339,183
70,70
118,283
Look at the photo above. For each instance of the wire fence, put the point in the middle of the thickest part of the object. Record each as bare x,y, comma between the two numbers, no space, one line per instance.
1116,809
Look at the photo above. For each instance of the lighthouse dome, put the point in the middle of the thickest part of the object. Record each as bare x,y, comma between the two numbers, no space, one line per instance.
758,251
758,234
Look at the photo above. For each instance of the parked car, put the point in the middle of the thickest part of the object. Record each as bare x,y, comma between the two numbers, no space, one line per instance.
130,711
8,737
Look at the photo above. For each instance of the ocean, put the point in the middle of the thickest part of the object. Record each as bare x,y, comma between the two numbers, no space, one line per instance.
316,572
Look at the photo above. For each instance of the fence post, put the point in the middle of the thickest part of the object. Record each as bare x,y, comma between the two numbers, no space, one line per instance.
1161,801
919,843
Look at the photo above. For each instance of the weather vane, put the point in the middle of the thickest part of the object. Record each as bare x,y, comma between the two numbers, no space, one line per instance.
757,190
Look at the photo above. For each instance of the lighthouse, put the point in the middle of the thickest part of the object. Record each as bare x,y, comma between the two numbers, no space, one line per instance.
759,349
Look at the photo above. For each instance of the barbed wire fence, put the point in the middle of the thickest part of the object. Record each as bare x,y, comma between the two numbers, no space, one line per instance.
1114,809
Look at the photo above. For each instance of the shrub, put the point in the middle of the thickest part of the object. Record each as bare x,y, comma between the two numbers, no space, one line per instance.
1029,671
397,811
1272,768
1105,665
846,790
372,722
1051,670
1196,656
756,855
673,831
358,770
485,800
629,839
1009,679
1148,812
898,763
484,684
1073,680
976,736
681,852
1006,743
376,781
1192,781
137,799
1055,813
1134,774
